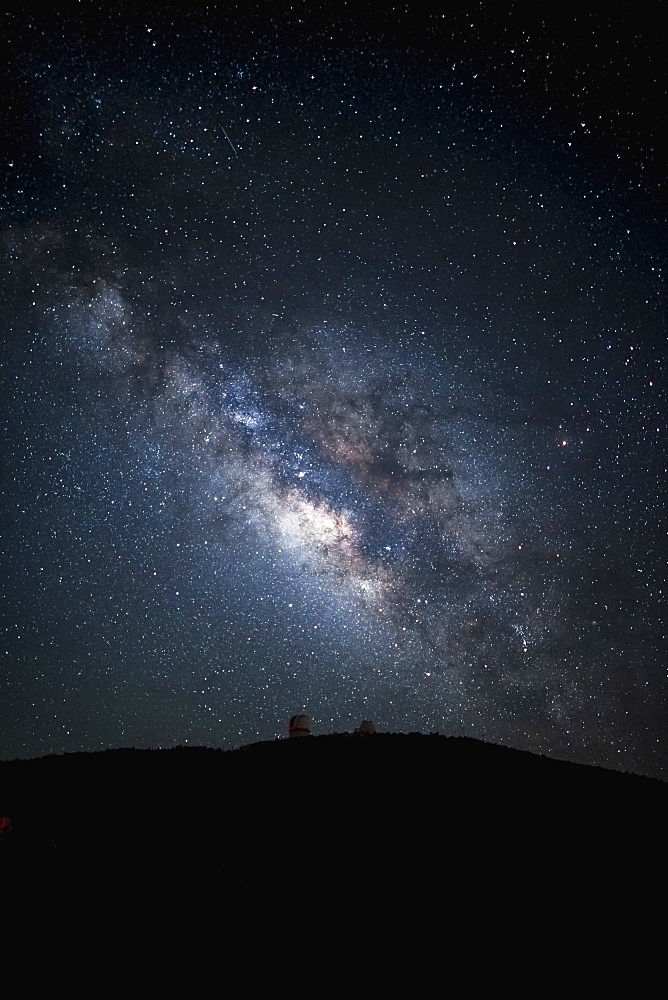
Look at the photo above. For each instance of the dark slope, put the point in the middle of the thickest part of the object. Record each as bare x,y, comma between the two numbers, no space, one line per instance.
351,817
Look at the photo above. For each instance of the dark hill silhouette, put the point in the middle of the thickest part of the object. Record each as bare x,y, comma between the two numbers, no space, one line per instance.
426,817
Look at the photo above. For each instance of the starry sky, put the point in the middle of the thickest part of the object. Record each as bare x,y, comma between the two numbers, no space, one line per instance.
332,376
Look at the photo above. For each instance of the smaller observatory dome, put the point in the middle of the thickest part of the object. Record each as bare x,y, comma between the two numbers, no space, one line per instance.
366,727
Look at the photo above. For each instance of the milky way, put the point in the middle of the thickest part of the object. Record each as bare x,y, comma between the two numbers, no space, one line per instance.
330,385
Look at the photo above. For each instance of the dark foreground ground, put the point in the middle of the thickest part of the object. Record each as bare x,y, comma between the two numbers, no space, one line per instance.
360,821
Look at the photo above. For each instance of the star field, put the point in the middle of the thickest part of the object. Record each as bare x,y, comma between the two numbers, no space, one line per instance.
333,378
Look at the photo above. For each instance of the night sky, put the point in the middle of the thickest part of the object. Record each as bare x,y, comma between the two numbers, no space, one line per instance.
332,376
